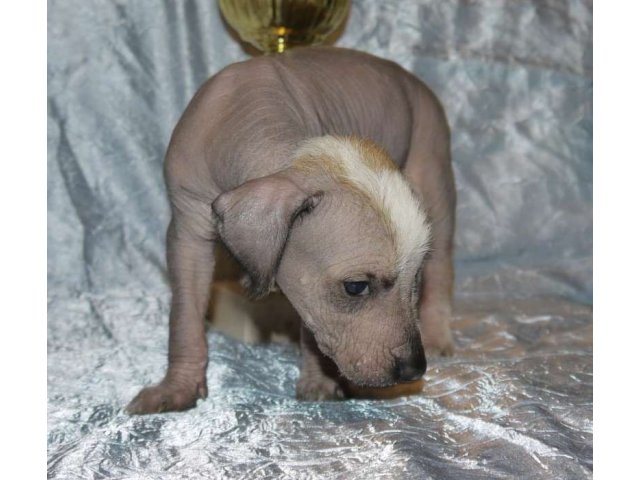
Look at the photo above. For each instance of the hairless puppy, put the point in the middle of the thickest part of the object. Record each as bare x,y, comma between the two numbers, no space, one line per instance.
327,172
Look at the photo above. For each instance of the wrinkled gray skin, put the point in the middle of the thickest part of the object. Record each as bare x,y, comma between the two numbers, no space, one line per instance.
230,178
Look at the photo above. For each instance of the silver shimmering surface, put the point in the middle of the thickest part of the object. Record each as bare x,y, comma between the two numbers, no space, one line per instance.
515,401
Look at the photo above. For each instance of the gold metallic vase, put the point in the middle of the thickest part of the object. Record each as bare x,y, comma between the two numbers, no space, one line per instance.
275,25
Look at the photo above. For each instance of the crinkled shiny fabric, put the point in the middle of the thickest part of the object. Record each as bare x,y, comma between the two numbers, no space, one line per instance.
516,399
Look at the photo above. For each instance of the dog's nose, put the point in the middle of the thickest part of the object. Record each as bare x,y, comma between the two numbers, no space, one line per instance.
411,369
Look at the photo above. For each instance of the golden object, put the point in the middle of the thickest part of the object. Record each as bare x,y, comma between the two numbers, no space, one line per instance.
275,25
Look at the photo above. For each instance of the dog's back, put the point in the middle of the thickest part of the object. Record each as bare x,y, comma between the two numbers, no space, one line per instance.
246,121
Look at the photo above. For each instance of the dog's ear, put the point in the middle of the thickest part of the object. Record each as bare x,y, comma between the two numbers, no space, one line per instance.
254,219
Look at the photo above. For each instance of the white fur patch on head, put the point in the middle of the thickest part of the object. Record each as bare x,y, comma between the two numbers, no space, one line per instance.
368,167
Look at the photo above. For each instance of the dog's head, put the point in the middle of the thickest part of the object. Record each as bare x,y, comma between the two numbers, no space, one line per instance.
345,239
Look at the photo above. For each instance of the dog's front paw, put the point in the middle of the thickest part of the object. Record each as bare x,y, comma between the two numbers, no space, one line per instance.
314,389
441,346
436,333
167,396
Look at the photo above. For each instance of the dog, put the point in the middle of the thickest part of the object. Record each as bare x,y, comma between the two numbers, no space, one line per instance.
325,172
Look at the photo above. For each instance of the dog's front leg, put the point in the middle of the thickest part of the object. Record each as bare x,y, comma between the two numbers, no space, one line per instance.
435,307
438,274
318,374
190,259
428,169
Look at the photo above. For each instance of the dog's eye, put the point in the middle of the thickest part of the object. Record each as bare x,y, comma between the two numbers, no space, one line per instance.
356,289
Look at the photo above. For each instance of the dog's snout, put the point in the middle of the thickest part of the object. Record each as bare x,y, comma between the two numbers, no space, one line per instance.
412,368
